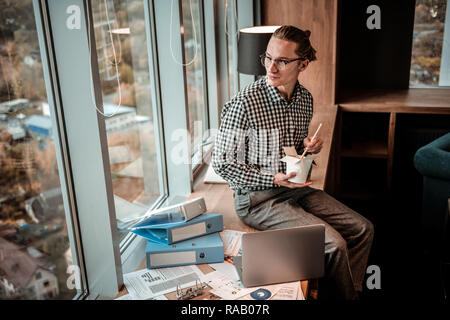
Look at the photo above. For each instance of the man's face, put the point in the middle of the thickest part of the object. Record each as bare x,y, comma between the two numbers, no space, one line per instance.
285,50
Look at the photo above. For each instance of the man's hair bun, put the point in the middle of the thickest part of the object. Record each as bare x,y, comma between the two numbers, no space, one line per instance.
294,34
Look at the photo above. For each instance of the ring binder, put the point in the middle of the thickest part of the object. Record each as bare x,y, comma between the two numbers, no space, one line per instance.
190,293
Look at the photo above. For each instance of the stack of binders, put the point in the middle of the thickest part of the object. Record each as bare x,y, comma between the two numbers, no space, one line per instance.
182,235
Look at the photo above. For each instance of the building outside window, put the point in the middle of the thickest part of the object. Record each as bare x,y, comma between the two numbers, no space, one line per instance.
34,243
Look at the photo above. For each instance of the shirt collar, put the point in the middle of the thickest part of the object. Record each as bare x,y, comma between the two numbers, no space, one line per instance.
276,96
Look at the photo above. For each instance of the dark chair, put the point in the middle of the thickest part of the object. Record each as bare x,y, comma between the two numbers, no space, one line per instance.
433,163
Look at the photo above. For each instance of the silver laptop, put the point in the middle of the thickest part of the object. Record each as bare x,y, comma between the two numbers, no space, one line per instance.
282,255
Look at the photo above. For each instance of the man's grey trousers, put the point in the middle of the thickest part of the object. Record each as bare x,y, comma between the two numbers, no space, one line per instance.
348,235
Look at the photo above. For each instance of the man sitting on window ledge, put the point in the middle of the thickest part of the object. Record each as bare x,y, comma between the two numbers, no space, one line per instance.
273,112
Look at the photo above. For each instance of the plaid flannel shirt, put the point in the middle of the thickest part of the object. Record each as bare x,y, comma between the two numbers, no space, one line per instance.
256,124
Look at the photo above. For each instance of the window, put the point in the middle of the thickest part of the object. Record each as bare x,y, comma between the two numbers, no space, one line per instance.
431,49
53,140
31,206
123,63
194,60
232,33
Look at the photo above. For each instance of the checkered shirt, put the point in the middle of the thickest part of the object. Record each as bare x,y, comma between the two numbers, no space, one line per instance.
256,124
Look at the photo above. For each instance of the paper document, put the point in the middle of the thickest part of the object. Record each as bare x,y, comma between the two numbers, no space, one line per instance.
227,268
128,297
225,287
232,240
145,284
282,291
229,289
289,291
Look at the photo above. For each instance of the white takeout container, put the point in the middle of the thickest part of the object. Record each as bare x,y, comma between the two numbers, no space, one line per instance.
302,168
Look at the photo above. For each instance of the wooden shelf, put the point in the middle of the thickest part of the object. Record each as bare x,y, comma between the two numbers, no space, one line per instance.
369,149
413,100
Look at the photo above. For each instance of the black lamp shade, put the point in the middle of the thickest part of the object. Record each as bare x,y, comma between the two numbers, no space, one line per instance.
252,43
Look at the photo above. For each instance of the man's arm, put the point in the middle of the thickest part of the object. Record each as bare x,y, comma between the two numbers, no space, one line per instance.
230,159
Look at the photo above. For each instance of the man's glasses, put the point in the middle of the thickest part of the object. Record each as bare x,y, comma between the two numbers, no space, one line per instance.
279,63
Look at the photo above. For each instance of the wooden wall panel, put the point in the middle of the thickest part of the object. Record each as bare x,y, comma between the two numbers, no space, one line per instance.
320,17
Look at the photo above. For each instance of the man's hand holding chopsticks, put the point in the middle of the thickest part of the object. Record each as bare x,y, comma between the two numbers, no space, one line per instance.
313,145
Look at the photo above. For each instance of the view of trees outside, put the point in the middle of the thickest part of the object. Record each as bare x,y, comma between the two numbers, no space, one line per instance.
34,245
194,72
428,37
120,28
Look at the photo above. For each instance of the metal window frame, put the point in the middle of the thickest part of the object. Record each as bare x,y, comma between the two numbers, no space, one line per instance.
60,139
85,153
132,248
444,77
205,116
212,66
230,32
205,71
169,78
172,80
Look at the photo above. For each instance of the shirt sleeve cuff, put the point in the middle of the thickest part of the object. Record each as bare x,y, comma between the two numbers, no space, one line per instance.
267,179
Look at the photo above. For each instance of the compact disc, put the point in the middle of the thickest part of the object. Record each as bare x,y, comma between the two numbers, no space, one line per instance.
261,294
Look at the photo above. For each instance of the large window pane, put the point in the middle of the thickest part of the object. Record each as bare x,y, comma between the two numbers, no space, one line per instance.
34,244
128,106
194,60
232,51
428,40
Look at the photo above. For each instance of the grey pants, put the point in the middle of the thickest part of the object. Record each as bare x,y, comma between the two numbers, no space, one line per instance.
348,235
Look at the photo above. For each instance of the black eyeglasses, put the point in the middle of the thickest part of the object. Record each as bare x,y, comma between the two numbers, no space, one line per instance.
279,63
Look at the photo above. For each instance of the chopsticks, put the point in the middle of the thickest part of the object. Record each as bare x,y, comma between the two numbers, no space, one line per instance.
314,136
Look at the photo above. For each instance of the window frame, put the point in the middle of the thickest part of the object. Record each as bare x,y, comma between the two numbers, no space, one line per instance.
62,154
210,21
444,77
132,247
166,78
231,23
99,245
198,155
